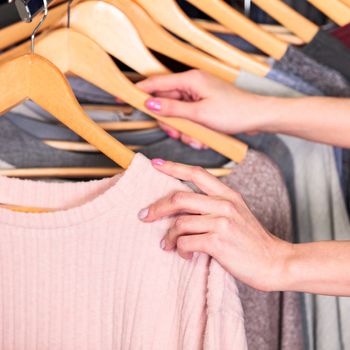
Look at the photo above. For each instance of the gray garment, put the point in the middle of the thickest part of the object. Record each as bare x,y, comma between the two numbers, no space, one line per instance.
264,86
330,51
321,215
47,131
327,80
22,150
293,81
87,92
32,110
272,320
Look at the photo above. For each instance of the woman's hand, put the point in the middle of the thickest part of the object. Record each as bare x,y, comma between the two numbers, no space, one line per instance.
220,224
207,100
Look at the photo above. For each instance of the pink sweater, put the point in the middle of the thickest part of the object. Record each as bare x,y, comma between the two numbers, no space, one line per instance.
91,276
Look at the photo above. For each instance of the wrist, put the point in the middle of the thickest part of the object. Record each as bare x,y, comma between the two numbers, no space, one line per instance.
270,114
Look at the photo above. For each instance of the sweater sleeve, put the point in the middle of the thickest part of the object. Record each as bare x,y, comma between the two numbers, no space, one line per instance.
225,323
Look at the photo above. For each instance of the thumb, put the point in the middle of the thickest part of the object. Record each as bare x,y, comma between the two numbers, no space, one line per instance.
173,108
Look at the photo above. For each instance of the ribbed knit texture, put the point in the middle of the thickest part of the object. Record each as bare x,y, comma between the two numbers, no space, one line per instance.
92,276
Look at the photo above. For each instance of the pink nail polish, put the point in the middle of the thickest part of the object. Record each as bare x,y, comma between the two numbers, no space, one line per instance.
196,146
142,215
158,162
153,105
172,134
162,244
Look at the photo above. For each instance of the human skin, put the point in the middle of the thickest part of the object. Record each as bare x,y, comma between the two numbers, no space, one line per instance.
209,101
219,222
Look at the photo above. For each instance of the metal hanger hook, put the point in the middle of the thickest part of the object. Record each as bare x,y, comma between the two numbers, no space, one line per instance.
68,13
46,11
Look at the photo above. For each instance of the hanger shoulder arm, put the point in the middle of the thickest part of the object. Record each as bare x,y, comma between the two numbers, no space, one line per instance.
169,15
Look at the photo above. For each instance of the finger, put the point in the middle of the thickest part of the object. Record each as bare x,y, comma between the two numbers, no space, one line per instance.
187,140
187,245
173,133
206,182
168,82
188,225
174,95
173,108
184,203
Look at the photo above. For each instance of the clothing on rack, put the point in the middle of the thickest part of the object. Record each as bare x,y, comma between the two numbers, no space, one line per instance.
342,34
98,237
329,51
327,80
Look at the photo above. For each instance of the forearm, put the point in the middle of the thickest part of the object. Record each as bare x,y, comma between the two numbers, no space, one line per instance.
320,119
319,267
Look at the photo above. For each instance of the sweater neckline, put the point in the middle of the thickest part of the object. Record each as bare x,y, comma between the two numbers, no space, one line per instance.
112,193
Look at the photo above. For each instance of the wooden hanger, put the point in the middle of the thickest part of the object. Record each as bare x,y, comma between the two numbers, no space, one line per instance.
73,52
80,173
334,9
280,32
33,77
291,19
244,27
112,30
346,2
167,12
212,26
159,40
170,16
83,147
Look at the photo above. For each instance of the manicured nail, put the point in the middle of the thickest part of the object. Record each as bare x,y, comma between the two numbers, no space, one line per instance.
158,162
142,215
162,244
153,105
172,134
196,145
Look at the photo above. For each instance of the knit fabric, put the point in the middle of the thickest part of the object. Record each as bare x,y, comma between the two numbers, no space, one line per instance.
293,82
329,51
342,34
264,86
92,275
273,320
329,81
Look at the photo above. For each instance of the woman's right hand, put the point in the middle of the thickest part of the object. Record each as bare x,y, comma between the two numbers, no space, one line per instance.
204,99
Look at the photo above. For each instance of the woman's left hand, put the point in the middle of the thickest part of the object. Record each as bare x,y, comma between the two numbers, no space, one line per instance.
220,224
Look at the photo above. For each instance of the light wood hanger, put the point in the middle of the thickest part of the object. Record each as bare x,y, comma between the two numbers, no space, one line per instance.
346,2
168,13
280,32
334,9
243,26
81,173
170,16
108,108
73,52
33,77
291,19
159,40
82,147
113,31
129,126
219,28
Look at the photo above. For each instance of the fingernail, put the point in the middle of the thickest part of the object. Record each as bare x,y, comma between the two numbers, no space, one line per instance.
196,145
162,244
153,105
172,134
142,215
158,162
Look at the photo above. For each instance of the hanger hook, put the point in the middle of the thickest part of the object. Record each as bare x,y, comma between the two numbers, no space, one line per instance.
39,25
68,13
